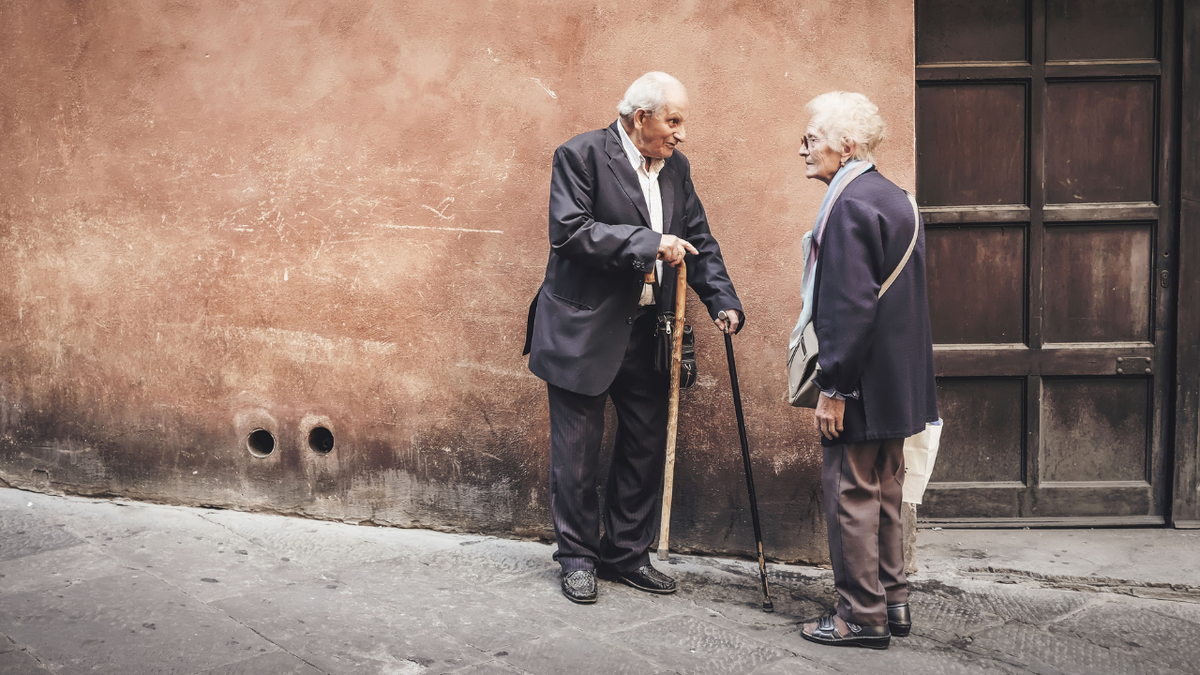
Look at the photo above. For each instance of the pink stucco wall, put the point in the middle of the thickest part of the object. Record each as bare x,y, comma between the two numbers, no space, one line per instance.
218,216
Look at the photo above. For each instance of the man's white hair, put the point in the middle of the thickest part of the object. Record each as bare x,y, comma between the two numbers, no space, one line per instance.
648,92
842,116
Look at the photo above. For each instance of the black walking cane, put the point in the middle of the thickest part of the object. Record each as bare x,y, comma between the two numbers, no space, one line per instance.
767,605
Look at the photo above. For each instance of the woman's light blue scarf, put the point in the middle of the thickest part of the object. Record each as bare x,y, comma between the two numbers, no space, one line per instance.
811,243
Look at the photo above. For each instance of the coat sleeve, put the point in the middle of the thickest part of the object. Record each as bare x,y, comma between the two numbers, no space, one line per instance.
578,237
706,272
847,296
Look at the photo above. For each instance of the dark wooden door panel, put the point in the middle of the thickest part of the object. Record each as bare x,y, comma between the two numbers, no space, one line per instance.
1098,283
970,502
1100,141
1049,361
968,30
1095,429
1078,30
1042,136
1116,504
976,278
986,441
971,147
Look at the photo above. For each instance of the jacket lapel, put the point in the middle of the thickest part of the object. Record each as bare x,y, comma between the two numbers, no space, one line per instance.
618,163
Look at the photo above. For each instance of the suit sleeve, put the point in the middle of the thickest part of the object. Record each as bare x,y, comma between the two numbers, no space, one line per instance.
848,295
576,236
706,272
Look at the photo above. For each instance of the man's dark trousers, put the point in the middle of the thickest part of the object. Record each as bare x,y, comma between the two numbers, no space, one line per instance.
863,485
639,395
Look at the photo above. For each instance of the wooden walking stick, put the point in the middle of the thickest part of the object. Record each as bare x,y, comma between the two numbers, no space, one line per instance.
672,411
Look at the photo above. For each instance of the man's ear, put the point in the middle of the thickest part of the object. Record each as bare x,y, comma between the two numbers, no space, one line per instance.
639,118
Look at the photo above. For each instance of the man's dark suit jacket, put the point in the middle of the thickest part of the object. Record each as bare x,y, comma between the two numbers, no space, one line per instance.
601,246
881,347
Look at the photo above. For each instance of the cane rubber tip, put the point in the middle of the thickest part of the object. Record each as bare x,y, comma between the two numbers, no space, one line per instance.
664,555
768,606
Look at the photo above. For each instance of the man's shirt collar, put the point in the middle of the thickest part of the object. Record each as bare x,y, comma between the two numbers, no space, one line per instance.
635,157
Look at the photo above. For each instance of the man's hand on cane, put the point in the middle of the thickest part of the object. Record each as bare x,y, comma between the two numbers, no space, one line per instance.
672,249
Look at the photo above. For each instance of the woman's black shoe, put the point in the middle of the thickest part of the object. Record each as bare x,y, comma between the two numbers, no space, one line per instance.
899,619
870,637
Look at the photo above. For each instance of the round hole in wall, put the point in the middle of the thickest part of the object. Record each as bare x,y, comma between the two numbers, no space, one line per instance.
260,442
320,439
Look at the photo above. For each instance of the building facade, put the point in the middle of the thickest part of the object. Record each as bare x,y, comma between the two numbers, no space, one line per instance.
277,255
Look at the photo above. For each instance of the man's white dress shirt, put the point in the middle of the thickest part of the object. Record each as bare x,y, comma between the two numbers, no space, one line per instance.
648,178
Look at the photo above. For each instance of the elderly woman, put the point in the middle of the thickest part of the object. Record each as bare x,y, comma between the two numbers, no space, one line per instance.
876,364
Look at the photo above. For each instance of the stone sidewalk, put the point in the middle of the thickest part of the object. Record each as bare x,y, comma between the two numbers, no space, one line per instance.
89,586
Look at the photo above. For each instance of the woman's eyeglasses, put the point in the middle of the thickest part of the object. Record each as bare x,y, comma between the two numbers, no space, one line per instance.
809,141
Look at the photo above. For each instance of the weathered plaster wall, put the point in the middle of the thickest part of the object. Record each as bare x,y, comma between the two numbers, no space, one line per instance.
218,216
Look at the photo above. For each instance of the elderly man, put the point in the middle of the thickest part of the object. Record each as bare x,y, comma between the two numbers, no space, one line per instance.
622,204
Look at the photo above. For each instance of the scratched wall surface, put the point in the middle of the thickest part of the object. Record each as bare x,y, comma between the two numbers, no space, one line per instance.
222,216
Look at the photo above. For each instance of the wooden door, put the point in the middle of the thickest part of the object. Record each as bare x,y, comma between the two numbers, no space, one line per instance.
1043,129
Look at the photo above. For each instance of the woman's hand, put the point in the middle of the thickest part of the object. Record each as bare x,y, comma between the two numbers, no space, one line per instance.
828,417
728,320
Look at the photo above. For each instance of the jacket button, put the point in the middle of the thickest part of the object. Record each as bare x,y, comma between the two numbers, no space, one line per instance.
629,320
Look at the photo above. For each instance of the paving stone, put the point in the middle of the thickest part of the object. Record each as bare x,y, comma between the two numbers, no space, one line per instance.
19,662
486,561
26,532
157,538
1007,602
694,645
343,629
906,656
945,619
1043,651
738,599
1136,629
1186,611
749,619
795,665
130,623
579,653
274,663
455,605
55,569
491,668
329,545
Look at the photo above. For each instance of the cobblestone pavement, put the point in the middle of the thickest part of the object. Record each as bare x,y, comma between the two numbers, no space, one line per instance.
91,586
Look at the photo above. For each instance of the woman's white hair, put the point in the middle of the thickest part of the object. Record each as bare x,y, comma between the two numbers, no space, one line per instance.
648,92
842,116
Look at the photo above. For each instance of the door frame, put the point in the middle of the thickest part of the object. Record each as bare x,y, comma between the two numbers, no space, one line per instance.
1185,503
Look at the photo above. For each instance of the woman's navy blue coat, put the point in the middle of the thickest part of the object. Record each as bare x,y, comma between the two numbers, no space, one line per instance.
881,348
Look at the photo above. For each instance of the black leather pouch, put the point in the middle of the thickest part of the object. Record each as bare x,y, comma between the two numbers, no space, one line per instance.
665,342
687,361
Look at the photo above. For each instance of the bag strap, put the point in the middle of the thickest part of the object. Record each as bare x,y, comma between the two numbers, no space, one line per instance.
911,245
